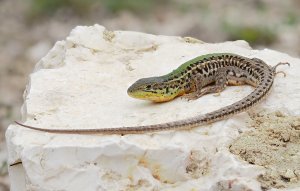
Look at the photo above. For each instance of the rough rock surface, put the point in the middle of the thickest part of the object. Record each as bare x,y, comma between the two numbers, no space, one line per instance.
275,144
82,83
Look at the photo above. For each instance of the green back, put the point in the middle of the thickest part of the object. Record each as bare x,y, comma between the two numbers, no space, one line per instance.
184,66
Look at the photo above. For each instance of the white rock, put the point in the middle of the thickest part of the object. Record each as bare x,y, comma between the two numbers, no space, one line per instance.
82,83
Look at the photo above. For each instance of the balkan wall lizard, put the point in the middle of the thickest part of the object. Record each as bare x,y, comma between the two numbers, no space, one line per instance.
202,75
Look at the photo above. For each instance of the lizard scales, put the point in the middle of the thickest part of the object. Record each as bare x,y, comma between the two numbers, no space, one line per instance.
205,74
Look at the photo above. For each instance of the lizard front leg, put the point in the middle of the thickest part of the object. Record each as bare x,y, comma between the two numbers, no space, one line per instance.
219,86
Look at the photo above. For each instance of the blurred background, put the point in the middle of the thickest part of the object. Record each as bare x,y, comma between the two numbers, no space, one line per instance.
29,28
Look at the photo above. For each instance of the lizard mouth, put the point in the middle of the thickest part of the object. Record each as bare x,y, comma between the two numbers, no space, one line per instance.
149,95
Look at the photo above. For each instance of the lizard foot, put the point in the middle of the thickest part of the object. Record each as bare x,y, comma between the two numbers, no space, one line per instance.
282,72
280,63
217,94
190,96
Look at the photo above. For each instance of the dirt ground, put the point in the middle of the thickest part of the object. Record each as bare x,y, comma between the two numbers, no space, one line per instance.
28,31
274,143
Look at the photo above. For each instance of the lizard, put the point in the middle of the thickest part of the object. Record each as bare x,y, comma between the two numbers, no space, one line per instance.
205,74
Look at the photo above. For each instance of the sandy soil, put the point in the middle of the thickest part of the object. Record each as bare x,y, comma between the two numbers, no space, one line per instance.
274,143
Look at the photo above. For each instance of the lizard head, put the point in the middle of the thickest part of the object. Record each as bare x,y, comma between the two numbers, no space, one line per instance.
153,89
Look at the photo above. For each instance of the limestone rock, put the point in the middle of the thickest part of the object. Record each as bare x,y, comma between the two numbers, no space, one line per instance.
82,83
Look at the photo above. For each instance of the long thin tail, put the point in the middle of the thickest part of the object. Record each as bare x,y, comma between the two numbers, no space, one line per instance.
249,101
